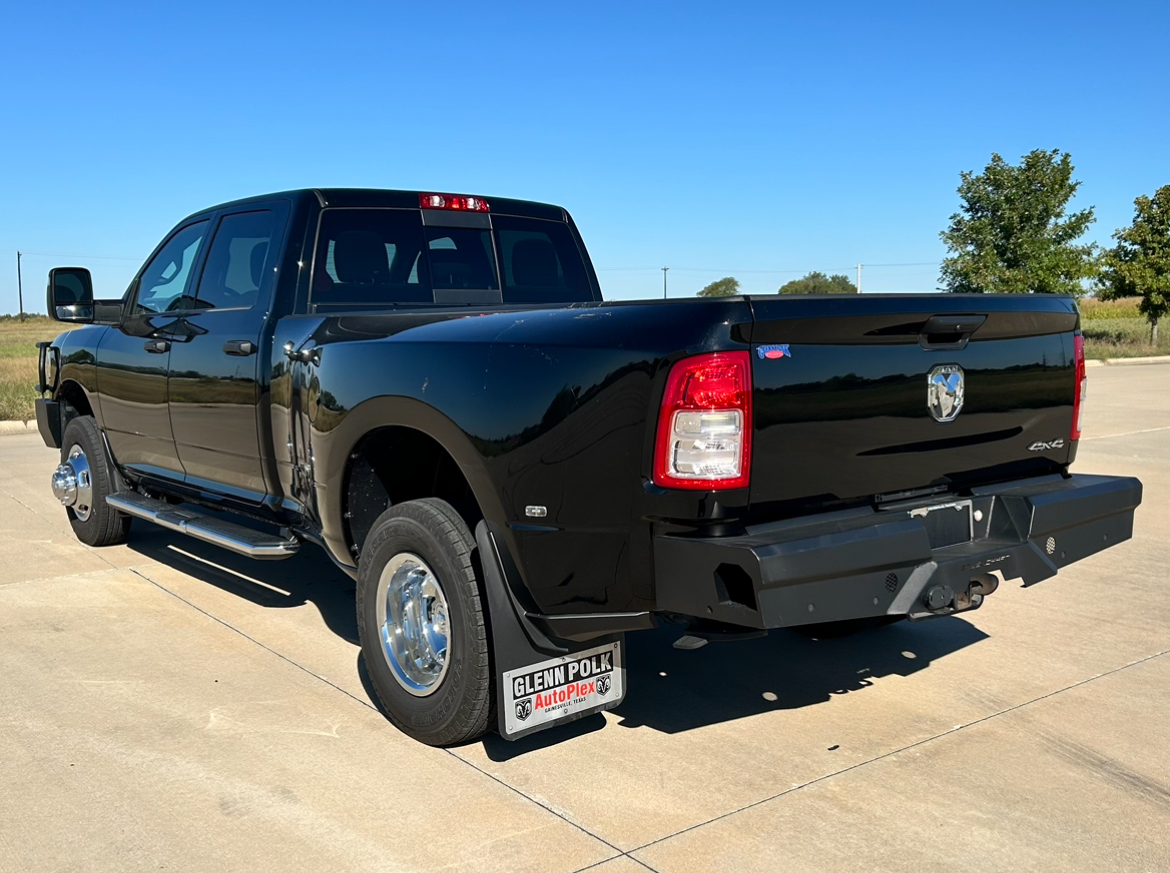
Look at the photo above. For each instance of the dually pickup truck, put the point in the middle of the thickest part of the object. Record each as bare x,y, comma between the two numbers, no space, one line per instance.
517,473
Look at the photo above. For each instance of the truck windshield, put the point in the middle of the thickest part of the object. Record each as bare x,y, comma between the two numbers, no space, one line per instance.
376,257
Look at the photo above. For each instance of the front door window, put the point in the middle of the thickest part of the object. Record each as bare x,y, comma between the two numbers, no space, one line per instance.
166,276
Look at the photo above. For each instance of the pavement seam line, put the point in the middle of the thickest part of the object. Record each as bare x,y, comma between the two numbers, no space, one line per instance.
95,552
369,705
251,639
548,809
891,753
614,858
1105,436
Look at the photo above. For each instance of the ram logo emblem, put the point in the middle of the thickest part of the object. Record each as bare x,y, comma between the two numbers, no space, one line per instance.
524,708
944,392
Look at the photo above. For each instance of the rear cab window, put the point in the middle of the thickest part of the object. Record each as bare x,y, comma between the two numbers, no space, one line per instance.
382,257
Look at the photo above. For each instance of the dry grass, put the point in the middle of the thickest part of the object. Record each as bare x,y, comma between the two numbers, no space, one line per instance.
1093,309
18,363
1117,337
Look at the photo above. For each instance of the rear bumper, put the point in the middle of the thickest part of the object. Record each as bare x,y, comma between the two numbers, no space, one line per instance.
871,562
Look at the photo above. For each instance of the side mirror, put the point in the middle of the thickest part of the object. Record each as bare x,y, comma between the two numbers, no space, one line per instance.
70,295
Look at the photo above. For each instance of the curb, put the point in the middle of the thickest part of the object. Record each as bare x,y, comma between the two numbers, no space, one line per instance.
13,427
1127,362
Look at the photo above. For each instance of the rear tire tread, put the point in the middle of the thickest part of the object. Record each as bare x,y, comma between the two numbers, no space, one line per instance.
476,713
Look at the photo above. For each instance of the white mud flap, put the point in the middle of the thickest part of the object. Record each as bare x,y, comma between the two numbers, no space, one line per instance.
543,682
562,689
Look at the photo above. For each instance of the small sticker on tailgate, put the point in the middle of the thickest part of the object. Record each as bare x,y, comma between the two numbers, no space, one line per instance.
572,684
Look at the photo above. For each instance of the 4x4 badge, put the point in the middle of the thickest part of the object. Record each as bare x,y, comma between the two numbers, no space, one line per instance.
944,392
1041,446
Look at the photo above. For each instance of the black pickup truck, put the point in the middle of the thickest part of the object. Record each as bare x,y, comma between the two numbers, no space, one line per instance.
517,474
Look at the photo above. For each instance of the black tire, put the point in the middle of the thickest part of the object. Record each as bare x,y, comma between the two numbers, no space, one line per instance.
829,630
460,705
102,525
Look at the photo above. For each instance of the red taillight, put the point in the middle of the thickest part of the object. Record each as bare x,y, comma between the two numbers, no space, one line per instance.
705,424
452,201
1082,387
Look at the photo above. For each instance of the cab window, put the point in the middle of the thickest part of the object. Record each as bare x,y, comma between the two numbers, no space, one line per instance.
165,278
236,263
367,257
540,262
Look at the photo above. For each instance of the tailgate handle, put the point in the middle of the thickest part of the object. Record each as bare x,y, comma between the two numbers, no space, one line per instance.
949,331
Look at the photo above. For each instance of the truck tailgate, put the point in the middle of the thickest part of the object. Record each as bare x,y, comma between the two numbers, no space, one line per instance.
840,394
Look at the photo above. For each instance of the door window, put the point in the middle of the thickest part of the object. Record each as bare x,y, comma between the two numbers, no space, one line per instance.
236,263
165,277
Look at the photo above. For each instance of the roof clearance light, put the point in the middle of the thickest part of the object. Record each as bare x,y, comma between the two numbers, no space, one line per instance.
456,202
705,423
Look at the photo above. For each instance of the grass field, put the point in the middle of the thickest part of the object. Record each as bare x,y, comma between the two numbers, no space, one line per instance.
1113,329
18,363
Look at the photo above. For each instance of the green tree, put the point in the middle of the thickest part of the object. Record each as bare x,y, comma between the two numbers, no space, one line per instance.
819,283
1012,234
1139,265
725,287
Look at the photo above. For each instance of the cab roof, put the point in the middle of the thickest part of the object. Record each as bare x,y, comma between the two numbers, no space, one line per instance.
394,199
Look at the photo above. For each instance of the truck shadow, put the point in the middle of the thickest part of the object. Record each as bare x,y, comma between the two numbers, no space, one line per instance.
674,691
307,577
668,690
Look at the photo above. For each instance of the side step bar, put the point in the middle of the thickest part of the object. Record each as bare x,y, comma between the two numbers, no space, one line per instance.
233,537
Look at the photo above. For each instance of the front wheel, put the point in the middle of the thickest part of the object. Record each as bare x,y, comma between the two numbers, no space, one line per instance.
422,623
83,481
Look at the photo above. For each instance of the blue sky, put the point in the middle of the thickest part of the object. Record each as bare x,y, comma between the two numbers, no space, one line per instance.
742,139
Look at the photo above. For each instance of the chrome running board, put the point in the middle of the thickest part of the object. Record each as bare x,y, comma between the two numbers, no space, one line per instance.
233,537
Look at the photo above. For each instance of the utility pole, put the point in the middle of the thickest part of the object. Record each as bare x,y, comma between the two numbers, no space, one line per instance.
664,269
19,287
859,278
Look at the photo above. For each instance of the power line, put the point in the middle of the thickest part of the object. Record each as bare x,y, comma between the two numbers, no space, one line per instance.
700,270
765,272
84,257
914,264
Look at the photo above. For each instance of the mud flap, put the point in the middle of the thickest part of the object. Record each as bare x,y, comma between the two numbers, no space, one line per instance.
542,682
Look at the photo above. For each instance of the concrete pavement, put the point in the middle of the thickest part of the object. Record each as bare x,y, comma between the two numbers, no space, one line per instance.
167,705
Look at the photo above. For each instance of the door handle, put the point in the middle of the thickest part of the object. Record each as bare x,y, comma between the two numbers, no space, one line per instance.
240,348
157,347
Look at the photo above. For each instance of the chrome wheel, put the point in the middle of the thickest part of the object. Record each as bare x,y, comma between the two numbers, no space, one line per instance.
73,483
413,623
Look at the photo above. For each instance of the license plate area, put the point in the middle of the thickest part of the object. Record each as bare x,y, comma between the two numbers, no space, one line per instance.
947,524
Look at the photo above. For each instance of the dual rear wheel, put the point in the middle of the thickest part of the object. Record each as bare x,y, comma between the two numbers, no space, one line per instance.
422,617
422,623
